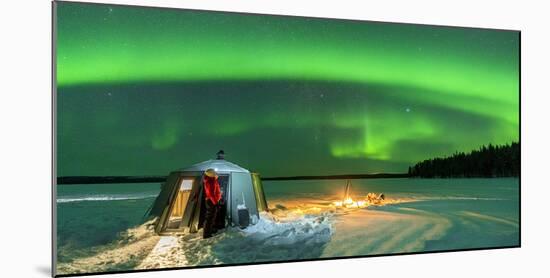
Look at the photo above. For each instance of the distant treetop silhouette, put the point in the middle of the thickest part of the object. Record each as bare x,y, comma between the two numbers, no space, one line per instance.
488,162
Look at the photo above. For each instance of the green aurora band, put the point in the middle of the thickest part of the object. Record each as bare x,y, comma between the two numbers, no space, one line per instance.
144,91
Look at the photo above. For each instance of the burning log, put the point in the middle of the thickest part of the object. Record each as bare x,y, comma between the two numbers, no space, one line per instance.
375,199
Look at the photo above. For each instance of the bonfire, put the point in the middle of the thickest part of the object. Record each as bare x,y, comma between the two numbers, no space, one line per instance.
370,199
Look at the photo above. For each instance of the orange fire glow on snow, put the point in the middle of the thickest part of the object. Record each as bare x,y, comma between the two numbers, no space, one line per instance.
350,203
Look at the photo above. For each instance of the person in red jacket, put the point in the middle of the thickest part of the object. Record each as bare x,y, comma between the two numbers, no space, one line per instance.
212,195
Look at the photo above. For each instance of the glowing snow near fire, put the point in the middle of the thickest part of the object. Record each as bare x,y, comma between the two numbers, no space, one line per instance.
350,203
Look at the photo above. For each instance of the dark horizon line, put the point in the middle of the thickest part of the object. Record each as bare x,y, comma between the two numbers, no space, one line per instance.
343,176
152,179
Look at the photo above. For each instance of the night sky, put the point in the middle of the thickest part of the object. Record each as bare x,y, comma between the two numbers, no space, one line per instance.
143,91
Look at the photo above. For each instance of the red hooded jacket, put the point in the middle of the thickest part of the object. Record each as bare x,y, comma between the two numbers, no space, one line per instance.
212,189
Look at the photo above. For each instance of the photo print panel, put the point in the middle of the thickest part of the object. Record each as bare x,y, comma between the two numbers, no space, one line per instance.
189,138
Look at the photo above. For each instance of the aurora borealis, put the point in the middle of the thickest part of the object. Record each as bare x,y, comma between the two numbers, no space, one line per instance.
144,91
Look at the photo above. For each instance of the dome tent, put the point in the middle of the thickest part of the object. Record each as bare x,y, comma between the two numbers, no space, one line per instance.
180,206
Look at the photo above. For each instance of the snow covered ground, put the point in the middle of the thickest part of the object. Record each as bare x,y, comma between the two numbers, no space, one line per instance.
311,226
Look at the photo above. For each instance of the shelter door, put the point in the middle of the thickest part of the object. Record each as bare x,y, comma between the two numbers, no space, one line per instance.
179,204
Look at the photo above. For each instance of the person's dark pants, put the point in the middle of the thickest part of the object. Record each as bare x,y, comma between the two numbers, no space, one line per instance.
209,219
220,216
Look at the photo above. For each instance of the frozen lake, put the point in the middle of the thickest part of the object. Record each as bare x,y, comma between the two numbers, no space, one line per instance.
99,225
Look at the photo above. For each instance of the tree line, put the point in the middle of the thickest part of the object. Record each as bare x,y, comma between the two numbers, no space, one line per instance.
488,162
